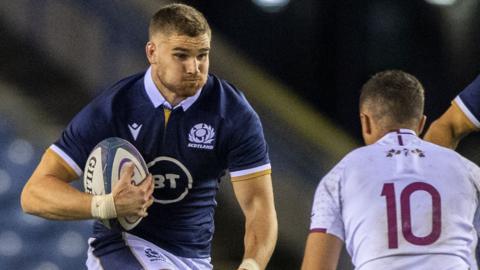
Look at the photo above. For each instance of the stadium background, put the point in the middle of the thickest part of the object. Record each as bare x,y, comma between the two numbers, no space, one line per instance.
300,63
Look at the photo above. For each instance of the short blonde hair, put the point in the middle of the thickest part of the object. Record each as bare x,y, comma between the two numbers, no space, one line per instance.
179,19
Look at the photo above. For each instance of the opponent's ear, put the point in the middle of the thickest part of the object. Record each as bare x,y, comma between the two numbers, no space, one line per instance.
421,125
150,49
366,123
368,128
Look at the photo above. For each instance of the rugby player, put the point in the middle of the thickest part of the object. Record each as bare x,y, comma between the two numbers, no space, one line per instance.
191,127
399,202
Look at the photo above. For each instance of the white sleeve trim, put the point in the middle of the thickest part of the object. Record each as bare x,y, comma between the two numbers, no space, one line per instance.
251,170
466,111
67,159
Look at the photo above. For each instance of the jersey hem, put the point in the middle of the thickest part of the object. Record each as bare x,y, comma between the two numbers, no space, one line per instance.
318,230
458,101
250,171
68,160
250,176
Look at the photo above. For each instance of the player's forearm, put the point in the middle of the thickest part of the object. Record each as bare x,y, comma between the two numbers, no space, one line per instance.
261,235
322,252
450,128
53,198
443,134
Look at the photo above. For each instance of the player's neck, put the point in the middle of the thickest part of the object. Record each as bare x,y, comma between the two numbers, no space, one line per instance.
172,98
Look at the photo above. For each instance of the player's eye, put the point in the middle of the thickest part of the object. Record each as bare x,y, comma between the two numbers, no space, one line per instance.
180,56
202,56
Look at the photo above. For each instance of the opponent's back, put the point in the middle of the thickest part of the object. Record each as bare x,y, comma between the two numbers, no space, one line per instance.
401,203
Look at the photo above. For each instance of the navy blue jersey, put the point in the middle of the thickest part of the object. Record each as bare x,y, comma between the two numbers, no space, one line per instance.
469,102
205,135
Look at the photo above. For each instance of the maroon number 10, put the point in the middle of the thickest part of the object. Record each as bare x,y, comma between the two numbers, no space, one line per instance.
406,219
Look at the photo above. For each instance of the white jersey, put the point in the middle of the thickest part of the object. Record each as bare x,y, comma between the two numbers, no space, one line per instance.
402,203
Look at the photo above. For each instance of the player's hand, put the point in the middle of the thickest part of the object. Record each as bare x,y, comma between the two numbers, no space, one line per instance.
131,200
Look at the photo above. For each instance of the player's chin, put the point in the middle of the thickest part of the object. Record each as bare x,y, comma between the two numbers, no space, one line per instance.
190,88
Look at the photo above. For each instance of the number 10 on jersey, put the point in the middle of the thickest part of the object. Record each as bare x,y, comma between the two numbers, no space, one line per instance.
406,214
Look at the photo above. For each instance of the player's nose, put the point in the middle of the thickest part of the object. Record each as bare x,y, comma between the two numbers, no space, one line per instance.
192,66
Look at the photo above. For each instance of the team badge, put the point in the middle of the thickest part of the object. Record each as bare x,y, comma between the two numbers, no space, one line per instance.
201,136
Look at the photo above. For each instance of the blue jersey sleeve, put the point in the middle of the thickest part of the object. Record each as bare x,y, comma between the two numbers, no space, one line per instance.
248,149
469,101
87,128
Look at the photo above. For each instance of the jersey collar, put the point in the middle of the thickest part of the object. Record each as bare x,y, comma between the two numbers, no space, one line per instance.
403,131
157,98
396,136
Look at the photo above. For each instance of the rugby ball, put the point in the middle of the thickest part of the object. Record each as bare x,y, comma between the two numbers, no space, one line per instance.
103,170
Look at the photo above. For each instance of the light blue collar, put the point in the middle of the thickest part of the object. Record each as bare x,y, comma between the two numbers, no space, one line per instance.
157,98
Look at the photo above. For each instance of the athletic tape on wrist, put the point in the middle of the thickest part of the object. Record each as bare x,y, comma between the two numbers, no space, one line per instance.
249,264
103,207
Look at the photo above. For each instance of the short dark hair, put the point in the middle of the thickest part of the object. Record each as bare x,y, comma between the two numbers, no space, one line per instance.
179,18
394,97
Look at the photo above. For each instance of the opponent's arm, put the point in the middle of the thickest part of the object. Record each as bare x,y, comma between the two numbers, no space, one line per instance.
321,252
48,193
450,128
255,196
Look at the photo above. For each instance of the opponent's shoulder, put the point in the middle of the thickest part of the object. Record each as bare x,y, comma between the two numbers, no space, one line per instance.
472,168
441,151
366,158
361,153
448,158
337,172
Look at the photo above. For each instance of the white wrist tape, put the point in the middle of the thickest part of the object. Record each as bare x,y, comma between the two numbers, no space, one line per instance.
103,206
249,264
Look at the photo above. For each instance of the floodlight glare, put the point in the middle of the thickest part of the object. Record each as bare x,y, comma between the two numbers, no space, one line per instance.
442,2
271,5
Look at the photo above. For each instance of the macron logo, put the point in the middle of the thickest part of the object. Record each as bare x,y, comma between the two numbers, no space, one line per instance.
134,129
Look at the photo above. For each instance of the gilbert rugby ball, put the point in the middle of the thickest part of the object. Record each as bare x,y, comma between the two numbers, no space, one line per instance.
102,171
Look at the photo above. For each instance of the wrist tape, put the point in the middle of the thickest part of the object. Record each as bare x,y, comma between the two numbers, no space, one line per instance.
249,264
103,207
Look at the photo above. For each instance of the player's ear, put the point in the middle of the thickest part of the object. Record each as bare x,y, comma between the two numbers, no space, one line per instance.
421,124
366,123
150,48
367,128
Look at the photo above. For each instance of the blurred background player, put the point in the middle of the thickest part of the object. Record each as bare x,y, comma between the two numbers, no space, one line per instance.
392,202
190,127
461,118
